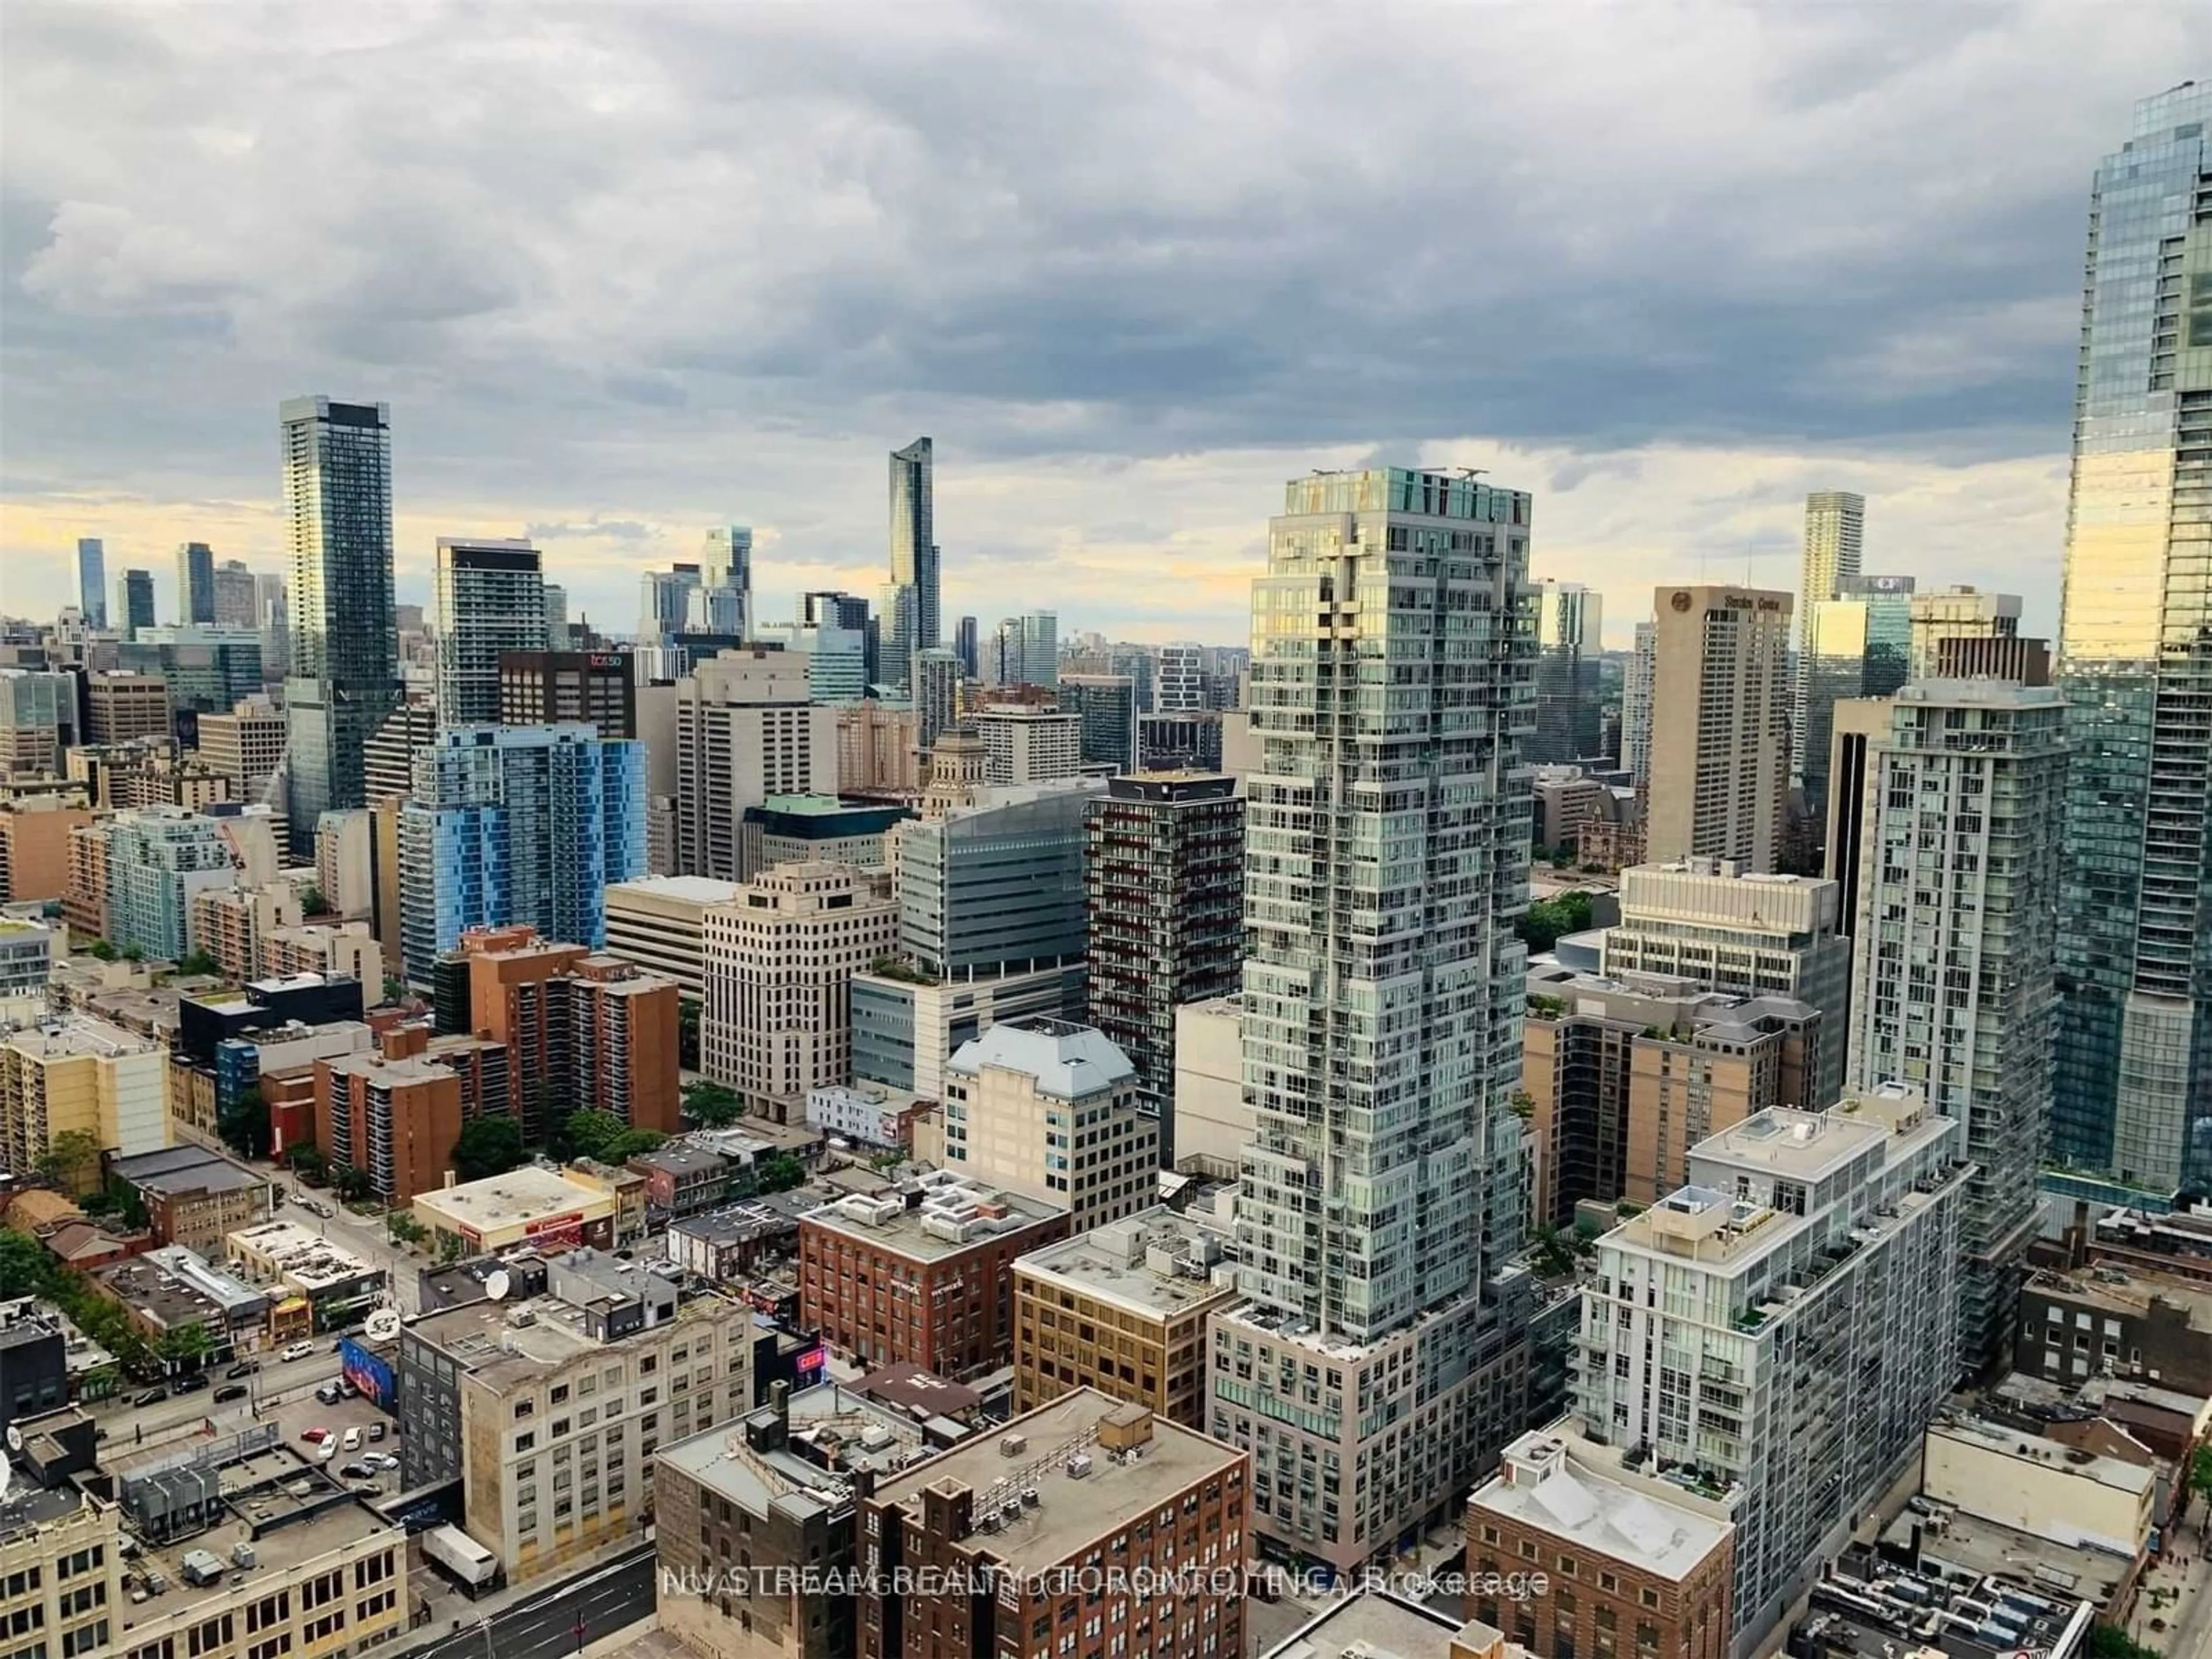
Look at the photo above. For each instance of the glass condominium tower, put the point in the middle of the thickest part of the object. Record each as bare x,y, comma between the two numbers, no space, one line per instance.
491,598
345,640
2133,1085
1387,854
911,598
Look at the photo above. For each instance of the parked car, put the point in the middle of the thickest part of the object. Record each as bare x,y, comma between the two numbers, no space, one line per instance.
353,1438
152,1396
330,1450
356,1471
328,1394
189,1384
230,1391
376,1431
299,1351
381,1460
303,1200
314,1436
244,1368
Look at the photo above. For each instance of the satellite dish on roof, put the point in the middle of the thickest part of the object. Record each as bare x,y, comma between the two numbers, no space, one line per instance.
383,1325
498,1284
15,1438
7,1477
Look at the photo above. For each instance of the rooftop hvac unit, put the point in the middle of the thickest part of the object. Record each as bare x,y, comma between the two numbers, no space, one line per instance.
1078,1466
1013,1445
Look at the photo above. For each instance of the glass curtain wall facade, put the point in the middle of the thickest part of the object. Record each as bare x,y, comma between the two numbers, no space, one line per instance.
1570,635
345,639
726,580
136,588
517,824
491,598
92,580
1858,644
911,616
1379,1362
1835,535
195,584
2134,1070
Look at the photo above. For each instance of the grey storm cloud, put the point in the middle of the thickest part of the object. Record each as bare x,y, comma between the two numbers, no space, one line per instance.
647,254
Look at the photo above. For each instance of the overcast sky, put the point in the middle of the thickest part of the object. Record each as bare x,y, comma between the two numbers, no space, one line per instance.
623,272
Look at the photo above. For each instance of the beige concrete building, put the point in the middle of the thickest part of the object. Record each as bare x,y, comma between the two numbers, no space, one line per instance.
746,727
1719,724
1028,745
326,1577
34,845
61,1572
2056,1493
1123,1309
660,923
1718,926
779,965
1958,613
1214,1124
81,1074
878,750
232,924
246,745
345,863
1048,1109
347,947
551,1410
121,705
1624,1076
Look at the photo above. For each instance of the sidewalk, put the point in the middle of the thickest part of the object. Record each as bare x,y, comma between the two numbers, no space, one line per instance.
2185,1598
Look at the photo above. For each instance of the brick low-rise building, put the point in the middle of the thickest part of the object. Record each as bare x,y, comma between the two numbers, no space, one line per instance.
925,1276
777,1491
1121,1308
393,1119
1054,1520
194,1197
682,1180
1636,1565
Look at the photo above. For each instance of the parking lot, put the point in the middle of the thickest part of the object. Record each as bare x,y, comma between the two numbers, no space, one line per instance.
281,1391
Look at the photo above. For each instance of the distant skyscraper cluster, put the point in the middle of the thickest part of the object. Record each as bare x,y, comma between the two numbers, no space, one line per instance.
1194,1033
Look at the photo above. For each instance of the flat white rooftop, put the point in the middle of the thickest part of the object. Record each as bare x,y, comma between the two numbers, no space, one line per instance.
1544,1486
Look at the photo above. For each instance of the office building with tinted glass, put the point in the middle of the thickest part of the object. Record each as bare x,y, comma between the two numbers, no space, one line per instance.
2133,1069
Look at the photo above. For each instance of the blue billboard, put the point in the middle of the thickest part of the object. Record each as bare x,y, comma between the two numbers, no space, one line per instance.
370,1372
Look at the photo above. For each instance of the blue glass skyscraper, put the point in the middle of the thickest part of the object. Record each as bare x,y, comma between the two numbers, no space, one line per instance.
2133,1086
92,580
517,824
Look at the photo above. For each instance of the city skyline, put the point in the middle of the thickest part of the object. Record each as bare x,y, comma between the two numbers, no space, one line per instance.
1087,428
